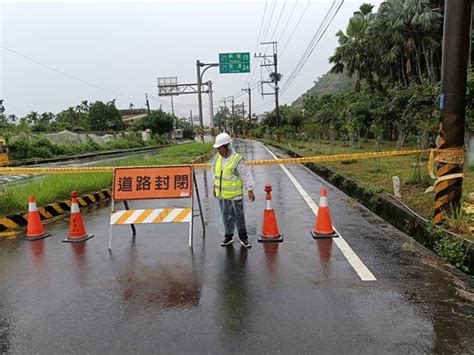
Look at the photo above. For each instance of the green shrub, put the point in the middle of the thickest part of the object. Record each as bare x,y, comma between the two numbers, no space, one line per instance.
19,150
452,251
450,248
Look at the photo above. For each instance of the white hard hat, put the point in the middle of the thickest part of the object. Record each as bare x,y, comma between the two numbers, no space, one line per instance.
222,139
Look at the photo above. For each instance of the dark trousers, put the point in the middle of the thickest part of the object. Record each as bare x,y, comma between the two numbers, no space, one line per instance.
233,216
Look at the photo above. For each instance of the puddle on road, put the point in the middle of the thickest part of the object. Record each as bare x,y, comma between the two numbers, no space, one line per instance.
165,287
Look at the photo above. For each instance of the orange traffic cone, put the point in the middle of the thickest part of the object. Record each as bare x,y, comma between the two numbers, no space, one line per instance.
270,228
77,232
35,229
323,228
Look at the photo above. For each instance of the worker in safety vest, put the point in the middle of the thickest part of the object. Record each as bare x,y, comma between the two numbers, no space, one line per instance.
231,176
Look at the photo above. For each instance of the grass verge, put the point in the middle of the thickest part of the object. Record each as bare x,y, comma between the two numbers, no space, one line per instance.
377,176
54,188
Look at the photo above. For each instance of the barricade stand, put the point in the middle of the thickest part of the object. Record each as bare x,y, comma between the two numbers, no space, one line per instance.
127,207
166,182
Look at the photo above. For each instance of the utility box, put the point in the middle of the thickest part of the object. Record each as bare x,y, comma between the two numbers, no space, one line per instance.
178,133
146,135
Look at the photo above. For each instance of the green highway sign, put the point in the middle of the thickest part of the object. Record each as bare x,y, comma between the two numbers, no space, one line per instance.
232,63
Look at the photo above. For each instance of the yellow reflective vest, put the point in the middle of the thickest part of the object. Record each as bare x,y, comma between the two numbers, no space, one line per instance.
227,183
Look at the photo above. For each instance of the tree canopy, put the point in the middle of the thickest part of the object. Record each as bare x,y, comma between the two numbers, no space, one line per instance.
158,121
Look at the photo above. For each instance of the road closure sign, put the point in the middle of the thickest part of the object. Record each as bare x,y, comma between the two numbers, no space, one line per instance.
234,63
153,183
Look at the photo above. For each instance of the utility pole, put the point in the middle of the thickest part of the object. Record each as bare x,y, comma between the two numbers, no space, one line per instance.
277,89
173,134
198,69
243,117
271,60
249,91
191,117
225,115
147,103
452,101
211,105
232,123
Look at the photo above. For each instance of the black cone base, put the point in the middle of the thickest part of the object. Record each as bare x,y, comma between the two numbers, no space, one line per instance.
322,236
277,239
78,240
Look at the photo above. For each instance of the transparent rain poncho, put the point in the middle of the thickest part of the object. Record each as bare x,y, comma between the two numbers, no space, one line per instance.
231,219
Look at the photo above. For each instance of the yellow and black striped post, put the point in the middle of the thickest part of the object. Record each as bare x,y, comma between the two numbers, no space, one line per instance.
452,102
201,134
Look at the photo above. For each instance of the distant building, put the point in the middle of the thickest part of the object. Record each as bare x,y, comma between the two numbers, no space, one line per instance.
259,118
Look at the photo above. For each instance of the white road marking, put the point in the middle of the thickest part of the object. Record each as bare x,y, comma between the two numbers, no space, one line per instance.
359,267
11,178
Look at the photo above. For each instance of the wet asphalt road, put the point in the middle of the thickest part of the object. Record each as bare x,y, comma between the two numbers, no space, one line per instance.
152,294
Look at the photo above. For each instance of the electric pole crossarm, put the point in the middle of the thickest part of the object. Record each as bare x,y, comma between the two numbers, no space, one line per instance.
271,60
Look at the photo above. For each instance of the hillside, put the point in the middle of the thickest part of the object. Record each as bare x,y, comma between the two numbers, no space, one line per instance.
328,84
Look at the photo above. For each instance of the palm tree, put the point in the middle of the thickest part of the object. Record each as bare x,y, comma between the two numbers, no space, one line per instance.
355,54
85,106
406,31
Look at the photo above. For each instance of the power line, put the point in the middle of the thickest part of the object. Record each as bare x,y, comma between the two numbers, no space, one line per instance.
279,19
287,21
294,29
264,48
254,62
314,41
57,70
163,102
315,35
266,31
266,103
308,55
270,20
261,26
240,92
250,75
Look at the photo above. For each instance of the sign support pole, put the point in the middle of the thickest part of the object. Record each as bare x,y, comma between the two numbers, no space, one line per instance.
191,223
199,203
211,106
112,206
198,69
127,207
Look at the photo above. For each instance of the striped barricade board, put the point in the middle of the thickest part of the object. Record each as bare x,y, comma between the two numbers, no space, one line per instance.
157,215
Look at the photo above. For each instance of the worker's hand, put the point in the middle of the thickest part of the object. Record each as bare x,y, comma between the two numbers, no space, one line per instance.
251,195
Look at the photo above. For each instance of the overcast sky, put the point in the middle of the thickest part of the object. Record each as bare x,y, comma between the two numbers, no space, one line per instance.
121,48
